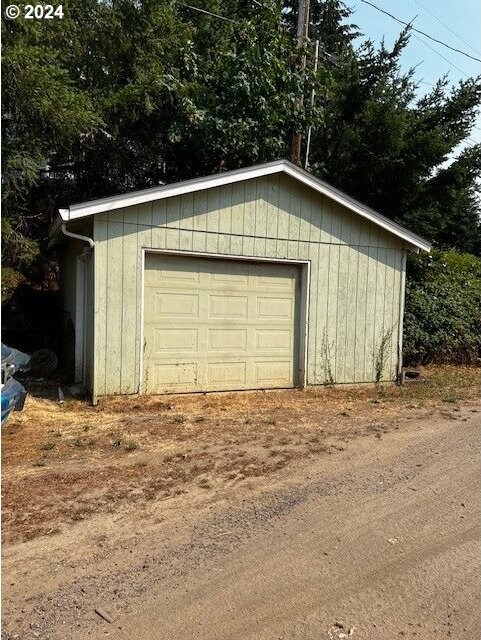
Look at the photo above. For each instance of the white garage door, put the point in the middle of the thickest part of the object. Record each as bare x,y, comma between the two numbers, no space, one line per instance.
214,325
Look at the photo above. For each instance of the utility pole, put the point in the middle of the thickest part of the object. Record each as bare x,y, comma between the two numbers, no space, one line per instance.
302,35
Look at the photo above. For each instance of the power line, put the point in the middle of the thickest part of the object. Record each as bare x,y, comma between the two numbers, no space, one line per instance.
408,24
440,55
446,26
209,13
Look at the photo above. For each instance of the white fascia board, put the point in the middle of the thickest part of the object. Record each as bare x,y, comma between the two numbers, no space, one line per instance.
62,216
357,207
168,191
105,205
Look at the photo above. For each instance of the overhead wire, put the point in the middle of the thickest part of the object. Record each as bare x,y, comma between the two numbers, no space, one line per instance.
408,24
441,22
422,33
426,44
209,13
433,15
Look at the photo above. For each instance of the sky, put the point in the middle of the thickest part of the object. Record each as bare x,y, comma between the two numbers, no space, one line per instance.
456,22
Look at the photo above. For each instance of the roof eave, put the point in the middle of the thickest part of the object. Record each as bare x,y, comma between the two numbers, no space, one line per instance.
366,212
62,216
113,203
105,205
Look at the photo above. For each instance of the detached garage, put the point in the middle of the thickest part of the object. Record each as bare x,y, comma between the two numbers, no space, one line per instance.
259,278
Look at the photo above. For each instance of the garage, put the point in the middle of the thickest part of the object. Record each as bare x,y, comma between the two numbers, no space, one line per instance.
258,278
214,324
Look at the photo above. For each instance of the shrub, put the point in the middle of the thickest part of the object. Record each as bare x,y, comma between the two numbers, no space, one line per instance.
442,321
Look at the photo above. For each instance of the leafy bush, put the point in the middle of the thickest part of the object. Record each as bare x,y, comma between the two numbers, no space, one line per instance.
443,308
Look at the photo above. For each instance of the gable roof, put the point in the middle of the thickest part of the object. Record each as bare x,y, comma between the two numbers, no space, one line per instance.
103,205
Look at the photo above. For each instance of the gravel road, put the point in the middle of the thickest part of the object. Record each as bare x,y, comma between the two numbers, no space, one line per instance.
376,542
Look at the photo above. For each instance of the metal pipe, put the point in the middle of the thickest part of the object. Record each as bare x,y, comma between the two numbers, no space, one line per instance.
402,291
76,236
313,95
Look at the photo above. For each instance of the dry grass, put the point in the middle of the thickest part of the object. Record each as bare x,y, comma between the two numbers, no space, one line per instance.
64,462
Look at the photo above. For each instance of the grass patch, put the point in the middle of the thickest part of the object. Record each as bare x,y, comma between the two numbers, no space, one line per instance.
271,421
48,445
440,382
451,399
205,483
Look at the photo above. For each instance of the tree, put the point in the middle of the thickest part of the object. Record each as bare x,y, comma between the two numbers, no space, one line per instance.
126,94
43,114
247,98
388,148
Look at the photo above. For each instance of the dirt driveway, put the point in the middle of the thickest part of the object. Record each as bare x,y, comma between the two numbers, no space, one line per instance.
281,515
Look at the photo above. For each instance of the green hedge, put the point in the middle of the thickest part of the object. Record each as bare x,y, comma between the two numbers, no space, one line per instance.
442,323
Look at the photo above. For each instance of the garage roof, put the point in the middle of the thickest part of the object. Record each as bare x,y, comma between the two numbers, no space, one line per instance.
103,205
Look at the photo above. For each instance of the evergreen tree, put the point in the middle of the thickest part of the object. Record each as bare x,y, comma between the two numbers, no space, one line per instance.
126,94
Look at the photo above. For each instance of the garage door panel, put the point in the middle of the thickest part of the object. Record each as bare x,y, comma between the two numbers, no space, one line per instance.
176,304
222,375
275,308
171,376
230,278
274,373
278,283
175,340
177,276
227,340
217,324
228,307
274,340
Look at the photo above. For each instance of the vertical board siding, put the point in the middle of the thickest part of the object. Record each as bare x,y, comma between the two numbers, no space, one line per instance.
115,295
370,319
356,284
312,373
101,313
89,322
351,317
148,219
342,312
129,306
361,313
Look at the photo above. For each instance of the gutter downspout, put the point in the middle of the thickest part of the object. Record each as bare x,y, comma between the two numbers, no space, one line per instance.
402,294
76,236
79,347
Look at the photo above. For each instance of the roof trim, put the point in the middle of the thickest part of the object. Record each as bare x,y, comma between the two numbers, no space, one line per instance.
112,203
